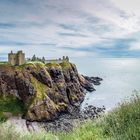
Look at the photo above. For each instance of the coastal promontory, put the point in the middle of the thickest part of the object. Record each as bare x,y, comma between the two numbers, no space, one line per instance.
42,91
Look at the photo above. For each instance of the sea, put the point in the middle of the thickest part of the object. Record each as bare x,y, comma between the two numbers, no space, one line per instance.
121,80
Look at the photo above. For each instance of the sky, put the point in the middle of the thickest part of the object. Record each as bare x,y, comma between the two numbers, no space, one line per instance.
77,28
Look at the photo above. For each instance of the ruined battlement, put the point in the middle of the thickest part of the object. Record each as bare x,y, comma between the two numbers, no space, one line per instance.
60,60
16,58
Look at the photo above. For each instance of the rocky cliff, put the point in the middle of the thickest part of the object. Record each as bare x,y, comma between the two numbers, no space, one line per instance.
45,91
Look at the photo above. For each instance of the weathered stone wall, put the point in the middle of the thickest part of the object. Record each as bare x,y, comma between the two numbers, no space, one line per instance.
12,59
21,58
57,60
16,58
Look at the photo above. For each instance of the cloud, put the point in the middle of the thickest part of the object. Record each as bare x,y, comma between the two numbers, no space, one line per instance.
91,28
7,25
135,46
73,34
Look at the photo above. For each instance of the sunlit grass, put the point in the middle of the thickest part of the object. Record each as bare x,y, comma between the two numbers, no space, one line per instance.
10,105
122,123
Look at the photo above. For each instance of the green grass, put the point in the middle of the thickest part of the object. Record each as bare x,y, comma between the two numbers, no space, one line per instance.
34,64
65,65
3,62
53,64
9,133
10,105
122,123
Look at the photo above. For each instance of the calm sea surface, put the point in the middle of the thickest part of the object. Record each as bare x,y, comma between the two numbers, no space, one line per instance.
121,77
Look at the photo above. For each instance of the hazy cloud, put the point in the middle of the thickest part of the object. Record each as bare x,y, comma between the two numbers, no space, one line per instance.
91,28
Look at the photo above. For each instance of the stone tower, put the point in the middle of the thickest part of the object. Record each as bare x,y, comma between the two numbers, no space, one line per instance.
16,58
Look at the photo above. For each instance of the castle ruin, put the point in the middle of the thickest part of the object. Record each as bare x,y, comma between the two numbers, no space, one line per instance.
60,60
16,58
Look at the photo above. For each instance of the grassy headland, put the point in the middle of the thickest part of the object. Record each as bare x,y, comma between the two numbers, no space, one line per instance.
122,123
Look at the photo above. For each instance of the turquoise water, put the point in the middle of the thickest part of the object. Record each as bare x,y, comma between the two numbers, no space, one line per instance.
121,77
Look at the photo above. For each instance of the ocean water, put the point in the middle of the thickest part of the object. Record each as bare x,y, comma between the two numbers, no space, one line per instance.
121,78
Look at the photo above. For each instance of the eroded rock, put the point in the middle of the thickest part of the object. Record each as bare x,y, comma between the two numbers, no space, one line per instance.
46,90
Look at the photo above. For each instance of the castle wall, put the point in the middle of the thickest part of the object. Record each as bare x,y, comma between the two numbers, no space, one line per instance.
16,58
57,60
12,59
20,58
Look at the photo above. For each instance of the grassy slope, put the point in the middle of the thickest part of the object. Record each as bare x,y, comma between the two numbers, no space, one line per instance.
123,123
10,105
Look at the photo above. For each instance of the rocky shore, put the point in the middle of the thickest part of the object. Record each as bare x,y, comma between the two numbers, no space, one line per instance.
67,121
50,94
94,80
75,115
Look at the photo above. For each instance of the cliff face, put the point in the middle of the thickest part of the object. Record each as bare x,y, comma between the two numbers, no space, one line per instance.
45,90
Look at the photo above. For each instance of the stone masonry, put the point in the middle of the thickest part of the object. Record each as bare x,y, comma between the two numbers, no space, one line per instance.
16,58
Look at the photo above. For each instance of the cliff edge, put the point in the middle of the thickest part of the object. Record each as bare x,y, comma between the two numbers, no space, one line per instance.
42,92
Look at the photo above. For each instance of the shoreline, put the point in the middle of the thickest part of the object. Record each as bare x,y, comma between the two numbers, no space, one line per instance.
66,121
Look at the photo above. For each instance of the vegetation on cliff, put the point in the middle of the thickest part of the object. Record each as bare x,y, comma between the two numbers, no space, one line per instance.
41,92
122,123
46,90
10,106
